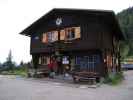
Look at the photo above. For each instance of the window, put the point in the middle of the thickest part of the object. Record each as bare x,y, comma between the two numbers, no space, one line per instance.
43,60
50,36
65,34
87,62
91,61
70,33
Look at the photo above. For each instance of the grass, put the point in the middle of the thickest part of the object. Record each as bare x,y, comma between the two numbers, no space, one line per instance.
21,71
114,79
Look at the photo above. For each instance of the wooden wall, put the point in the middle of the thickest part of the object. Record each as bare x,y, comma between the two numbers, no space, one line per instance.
94,34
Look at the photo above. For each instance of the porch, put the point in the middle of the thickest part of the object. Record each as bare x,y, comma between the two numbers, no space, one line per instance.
79,66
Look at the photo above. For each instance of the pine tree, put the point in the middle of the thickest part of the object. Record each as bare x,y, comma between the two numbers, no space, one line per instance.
21,63
9,62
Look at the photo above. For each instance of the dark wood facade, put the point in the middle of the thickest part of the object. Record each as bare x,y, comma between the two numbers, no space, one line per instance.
99,37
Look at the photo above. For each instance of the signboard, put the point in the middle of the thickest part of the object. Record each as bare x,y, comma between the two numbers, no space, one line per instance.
65,60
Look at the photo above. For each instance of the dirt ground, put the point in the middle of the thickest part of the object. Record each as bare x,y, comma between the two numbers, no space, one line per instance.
15,88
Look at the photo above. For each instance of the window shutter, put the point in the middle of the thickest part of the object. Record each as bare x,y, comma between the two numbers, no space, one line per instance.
62,35
48,60
55,36
44,39
77,32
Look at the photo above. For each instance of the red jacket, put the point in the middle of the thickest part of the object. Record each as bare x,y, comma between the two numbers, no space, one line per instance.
50,65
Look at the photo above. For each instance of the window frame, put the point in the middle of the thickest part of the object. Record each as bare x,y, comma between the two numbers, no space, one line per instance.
70,33
91,64
43,60
48,37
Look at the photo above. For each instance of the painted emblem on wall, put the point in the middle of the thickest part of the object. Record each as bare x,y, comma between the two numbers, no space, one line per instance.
58,21
36,38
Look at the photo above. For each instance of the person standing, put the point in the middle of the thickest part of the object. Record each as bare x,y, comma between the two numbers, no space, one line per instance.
51,68
55,66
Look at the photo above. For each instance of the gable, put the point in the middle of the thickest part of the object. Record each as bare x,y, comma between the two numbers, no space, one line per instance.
72,16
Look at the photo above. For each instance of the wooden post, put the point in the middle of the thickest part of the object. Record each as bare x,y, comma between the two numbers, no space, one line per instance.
35,58
119,62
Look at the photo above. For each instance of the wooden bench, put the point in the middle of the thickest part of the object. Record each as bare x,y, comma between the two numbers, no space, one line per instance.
38,73
85,76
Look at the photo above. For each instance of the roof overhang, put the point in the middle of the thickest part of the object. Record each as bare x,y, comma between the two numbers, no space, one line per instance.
108,14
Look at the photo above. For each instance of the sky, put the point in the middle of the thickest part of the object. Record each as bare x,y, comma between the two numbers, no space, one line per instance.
16,15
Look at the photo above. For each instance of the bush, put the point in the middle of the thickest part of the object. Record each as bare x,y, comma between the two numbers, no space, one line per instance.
114,79
21,71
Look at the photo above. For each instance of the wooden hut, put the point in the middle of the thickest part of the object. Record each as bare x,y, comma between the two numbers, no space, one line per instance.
82,40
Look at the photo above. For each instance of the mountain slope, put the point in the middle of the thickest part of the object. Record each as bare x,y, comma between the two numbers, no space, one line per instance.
125,18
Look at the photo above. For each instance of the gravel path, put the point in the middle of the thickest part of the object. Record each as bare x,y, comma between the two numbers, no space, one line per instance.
12,88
